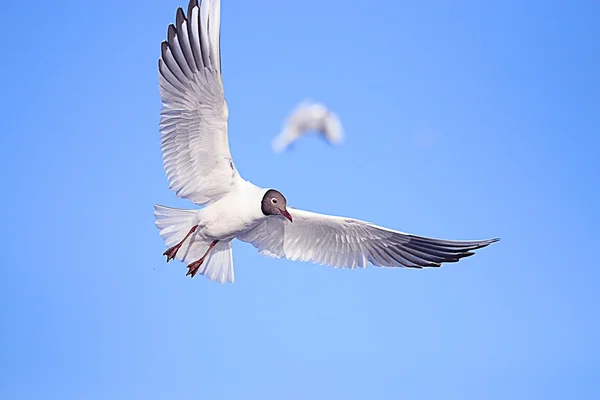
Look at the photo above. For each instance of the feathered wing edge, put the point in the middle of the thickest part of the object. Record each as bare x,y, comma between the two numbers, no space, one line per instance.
194,112
350,243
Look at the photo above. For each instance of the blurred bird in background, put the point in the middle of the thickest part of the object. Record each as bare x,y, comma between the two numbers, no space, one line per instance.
309,117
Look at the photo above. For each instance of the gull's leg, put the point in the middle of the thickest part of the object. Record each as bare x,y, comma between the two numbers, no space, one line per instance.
193,267
172,252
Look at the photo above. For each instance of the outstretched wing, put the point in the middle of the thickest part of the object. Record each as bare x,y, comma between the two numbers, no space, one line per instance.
193,122
350,243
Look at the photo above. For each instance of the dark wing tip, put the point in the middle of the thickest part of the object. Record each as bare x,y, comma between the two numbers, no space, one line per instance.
164,46
463,255
179,17
485,243
171,33
191,5
432,265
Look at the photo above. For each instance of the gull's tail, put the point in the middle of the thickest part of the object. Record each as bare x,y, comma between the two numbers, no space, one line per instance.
174,225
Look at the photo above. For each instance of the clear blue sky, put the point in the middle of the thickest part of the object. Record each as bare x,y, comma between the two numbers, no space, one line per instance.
463,121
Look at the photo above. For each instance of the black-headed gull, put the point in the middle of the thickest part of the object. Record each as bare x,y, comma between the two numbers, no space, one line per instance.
309,117
199,167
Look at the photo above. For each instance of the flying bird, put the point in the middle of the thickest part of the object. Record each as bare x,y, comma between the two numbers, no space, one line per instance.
199,168
309,117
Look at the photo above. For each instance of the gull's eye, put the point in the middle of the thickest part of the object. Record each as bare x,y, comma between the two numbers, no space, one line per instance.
274,200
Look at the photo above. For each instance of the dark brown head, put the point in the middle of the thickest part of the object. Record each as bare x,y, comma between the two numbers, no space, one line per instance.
273,203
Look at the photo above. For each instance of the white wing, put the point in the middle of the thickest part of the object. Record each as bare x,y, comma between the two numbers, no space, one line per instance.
349,243
194,113
308,117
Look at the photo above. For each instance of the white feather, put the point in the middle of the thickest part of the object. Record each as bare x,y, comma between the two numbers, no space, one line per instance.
193,122
347,243
175,223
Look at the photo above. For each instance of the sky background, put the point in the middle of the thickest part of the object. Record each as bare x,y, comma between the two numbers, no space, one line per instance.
463,121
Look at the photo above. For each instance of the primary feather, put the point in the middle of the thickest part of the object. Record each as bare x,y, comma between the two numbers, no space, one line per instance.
349,243
193,123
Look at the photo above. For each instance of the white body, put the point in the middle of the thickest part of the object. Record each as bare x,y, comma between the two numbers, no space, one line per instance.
200,168
306,118
232,215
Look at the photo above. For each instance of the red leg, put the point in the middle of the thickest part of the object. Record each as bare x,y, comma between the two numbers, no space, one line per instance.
172,252
193,267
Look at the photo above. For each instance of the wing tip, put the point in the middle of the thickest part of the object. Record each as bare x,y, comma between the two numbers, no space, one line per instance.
179,17
487,242
191,5
171,33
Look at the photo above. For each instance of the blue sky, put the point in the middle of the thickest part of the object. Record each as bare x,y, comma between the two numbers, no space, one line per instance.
463,121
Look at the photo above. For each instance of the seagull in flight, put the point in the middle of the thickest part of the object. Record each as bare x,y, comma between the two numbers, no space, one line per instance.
309,117
199,168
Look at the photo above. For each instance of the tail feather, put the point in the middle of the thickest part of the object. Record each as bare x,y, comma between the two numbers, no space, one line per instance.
219,263
174,224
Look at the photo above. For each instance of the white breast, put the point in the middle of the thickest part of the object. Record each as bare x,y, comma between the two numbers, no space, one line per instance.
233,214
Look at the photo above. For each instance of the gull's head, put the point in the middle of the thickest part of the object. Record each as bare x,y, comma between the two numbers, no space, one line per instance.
273,203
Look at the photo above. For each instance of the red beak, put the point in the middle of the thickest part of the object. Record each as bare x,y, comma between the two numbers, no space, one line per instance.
287,215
